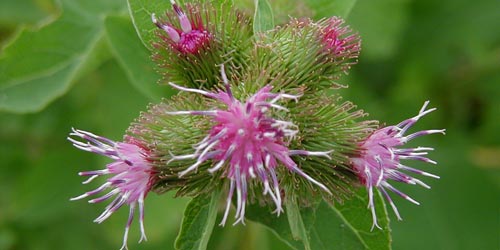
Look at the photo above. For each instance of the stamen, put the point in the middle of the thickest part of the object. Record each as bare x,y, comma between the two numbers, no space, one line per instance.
417,149
277,194
212,139
183,20
90,179
229,152
216,167
417,171
190,168
125,238
105,197
390,187
240,211
394,208
418,158
141,218
228,203
93,192
193,112
237,178
298,171
283,124
421,183
405,125
381,169
425,132
95,172
171,32
129,222
226,82
82,134
311,153
180,157
371,206
199,91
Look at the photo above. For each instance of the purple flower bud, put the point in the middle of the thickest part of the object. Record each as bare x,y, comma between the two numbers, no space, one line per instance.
340,41
192,35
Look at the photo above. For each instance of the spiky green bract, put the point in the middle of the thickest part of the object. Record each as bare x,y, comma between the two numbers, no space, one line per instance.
230,37
327,123
298,55
168,135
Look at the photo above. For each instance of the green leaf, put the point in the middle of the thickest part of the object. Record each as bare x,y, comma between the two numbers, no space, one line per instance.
37,160
134,58
263,16
23,11
338,226
198,222
299,230
39,66
328,8
140,12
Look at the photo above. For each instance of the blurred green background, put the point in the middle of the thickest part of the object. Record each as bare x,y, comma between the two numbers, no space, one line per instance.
445,51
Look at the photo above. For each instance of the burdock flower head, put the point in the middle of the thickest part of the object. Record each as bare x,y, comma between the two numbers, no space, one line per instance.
246,143
130,176
192,35
189,43
325,50
339,40
379,160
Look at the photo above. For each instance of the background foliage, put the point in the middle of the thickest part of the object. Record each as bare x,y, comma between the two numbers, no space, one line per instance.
79,63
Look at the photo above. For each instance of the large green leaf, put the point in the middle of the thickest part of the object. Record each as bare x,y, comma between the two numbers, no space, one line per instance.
39,66
263,16
39,170
198,222
339,226
134,58
328,8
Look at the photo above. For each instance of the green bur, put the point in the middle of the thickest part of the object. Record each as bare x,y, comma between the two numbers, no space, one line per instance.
306,54
229,43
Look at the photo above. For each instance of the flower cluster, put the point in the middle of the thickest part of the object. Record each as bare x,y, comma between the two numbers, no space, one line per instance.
266,131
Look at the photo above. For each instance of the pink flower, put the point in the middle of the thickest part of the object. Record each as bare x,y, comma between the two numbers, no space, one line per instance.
339,40
379,160
130,176
247,143
192,35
